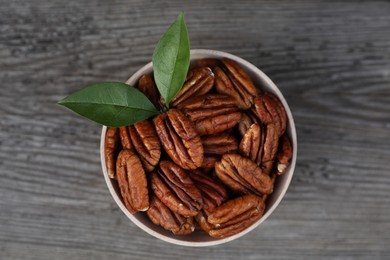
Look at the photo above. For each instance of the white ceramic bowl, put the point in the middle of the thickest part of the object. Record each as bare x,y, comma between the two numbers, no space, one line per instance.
198,238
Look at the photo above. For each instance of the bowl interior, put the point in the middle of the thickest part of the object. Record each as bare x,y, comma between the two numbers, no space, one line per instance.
199,238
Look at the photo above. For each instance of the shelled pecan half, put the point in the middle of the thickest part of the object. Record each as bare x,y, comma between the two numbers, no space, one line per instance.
233,216
269,110
147,86
284,154
132,181
252,143
212,113
232,80
209,62
111,149
281,112
215,146
271,143
260,144
162,216
248,118
273,179
213,192
146,144
179,139
125,138
201,219
199,81
142,139
173,186
242,175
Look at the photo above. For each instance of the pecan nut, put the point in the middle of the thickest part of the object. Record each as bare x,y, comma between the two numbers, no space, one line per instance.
147,86
208,101
132,181
252,143
125,138
199,81
213,192
232,80
242,175
146,144
162,216
111,149
260,144
233,217
212,113
270,149
209,62
219,144
215,146
201,219
266,196
173,186
269,109
179,139
281,112
142,139
248,118
284,155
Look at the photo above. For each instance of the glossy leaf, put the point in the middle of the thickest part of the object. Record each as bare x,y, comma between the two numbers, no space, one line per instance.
171,59
110,103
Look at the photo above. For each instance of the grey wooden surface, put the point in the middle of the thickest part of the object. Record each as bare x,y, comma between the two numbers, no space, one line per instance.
330,59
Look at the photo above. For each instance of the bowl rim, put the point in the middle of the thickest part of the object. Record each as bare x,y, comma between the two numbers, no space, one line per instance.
290,171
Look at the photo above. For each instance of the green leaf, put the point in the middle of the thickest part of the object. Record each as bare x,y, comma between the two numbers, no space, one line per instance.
110,103
171,59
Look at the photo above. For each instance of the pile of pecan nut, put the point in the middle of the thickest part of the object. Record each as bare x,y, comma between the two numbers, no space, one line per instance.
210,161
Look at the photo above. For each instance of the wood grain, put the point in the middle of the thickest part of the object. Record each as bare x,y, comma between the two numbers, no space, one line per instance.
331,60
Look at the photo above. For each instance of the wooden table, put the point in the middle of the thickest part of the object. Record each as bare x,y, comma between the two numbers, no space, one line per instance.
330,59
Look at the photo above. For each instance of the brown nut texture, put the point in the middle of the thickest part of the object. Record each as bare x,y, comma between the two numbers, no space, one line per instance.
199,81
252,143
132,181
146,144
269,109
179,139
219,144
242,175
215,146
147,86
212,113
271,141
111,149
266,196
232,80
248,118
209,62
213,192
281,112
162,216
260,144
209,161
244,124
284,155
173,186
201,219
235,215
142,139
125,138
